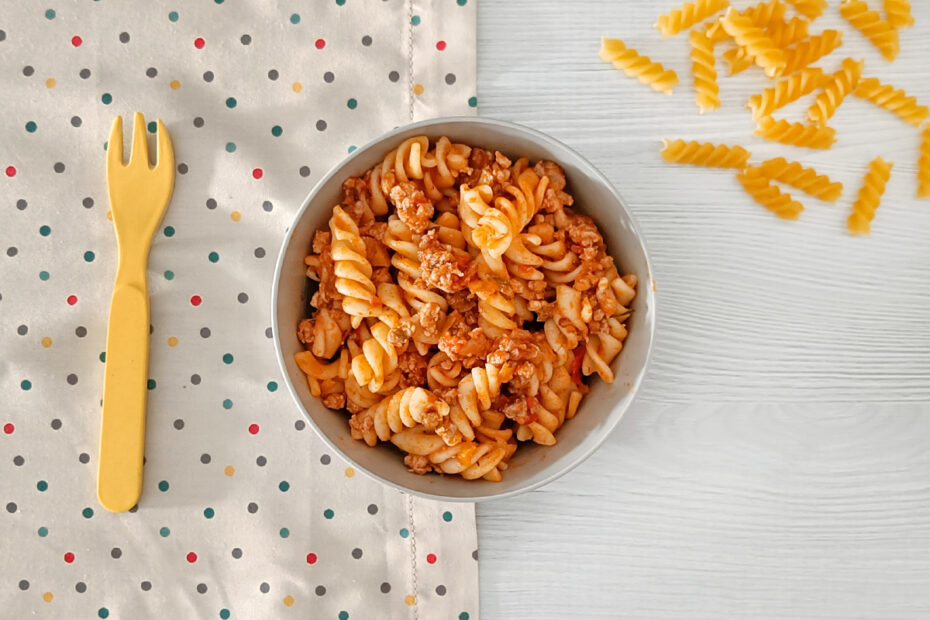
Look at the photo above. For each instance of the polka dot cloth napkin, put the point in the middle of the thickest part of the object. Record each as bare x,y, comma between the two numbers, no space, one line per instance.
244,513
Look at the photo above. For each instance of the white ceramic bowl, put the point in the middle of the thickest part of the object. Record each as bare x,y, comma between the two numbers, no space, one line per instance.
532,465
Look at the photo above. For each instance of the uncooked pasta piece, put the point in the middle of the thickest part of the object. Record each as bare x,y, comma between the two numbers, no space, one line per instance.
870,197
706,154
689,14
923,166
629,61
811,9
892,99
796,134
757,43
761,189
899,13
805,179
835,90
784,92
809,51
877,30
706,89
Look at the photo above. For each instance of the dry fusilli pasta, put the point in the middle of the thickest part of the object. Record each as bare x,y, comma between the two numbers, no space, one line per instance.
706,154
877,30
761,189
892,99
805,179
808,51
705,75
784,92
689,14
757,43
899,13
870,197
811,9
796,134
923,166
628,60
835,90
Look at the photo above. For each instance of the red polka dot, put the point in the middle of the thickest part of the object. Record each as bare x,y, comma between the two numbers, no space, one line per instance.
257,173
10,171
69,557
440,45
196,300
311,558
76,41
253,429
431,558
8,428
191,557
199,43
72,299
320,44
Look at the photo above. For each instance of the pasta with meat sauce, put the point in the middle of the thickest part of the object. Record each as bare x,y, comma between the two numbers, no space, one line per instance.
461,302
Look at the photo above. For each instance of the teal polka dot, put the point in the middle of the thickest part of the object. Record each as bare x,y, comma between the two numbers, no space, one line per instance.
169,231
45,231
352,147
463,615
447,516
227,358
26,385
213,257
224,614
43,275
272,386
103,357
218,1
169,275
328,513
461,2
89,256
88,512
230,147
231,102
43,531
105,145
106,98
50,14
340,2
208,512
284,485
152,127
227,404
173,16
42,485
415,20
151,384
472,102
343,615
103,612
164,532
284,532
404,532
276,131
352,104
163,486
31,126
295,18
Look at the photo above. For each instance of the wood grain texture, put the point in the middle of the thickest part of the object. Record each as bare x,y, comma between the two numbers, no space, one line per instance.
774,464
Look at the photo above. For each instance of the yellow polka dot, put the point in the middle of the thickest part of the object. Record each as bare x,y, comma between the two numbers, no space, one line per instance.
109,215
410,599
46,342
235,216
172,341
297,87
417,89
288,600
50,83
349,472
47,597
230,470
174,84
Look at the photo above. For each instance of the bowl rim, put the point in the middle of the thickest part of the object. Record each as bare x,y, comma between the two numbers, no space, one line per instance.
546,141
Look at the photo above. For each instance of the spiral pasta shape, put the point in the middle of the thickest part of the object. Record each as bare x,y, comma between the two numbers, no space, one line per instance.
470,460
784,92
808,51
782,34
404,163
704,154
442,166
324,379
496,310
628,60
870,197
377,360
706,89
757,43
480,387
805,179
923,166
796,134
892,99
408,408
835,89
352,269
765,13
811,9
601,349
762,191
872,26
899,13
689,14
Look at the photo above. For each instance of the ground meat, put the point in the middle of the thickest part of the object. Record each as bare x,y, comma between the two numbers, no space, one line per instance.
322,239
516,409
468,346
530,289
485,168
305,332
522,378
360,424
376,252
381,275
412,368
465,303
413,207
441,268
357,201
543,309
430,317
418,464
515,347
335,401
555,198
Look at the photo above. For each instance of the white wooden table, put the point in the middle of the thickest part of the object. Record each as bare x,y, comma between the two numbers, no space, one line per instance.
776,463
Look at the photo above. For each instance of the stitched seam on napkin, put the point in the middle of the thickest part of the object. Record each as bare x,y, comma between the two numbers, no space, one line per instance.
413,557
410,60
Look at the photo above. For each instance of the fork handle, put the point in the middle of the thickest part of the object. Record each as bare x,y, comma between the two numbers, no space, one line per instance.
122,432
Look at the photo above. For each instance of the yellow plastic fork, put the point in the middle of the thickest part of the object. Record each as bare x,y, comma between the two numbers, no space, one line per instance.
139,195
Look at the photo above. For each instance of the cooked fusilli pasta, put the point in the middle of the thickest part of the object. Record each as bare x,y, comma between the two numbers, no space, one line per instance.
796,134
689,14
890,98
877,30
808,51
784,92
811,9
757,43
899,13
628,60
706,154
835,89
805,179
761,189
923,165
870,197
352,269
705,75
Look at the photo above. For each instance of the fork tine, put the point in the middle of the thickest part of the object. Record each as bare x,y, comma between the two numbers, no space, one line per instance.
164,153
115,144
140,145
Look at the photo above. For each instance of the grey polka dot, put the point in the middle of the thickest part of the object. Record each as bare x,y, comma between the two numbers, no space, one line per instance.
22,330
393,76
2,35
80,331
76,121
182,168
146,586
245,39
56,424
329,77
124,37
135,508
320,590
267,206
441,590
205,458
264,588
366,40
151,72
357,553
72,379
273,74
198,122
261,461
179,424
84,458
204,332
88,202
450,79
237,552
11,507
21,204
18,460
243,298
59,167
151,329
84,73
23,584
208,76
80,587
202,588
474,555
259,252
28,70
372,509
305,170
11,251
320,126
268,332
116,553
252,508
325,459
195,379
